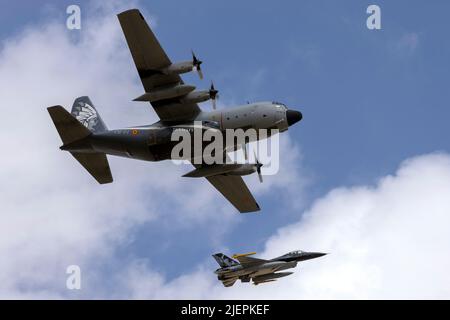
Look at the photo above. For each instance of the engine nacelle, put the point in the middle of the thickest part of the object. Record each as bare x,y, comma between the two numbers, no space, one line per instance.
179,68
236,169
197,96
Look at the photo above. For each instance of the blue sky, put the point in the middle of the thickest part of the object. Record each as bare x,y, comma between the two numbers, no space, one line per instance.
370,98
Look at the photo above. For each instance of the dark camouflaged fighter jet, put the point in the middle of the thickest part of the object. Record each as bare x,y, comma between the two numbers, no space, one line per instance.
258,270
86,137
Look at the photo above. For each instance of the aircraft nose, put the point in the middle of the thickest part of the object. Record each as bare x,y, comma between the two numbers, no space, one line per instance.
293,116
313,255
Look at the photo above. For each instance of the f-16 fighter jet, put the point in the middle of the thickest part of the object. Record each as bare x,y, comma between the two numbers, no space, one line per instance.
86,137
258,270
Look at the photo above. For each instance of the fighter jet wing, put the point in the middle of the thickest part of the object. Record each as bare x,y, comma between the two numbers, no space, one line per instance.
248,261
150,58
236,191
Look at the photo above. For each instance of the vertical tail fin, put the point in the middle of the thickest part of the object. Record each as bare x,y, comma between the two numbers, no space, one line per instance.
224,261
85,112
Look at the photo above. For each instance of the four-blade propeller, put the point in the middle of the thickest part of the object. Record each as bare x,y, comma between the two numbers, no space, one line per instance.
214,94
258,166
197,65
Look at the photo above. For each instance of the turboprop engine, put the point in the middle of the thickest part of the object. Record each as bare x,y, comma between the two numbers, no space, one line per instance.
231,169
184,67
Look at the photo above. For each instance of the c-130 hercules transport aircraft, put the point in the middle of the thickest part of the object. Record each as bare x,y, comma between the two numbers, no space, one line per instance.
86,137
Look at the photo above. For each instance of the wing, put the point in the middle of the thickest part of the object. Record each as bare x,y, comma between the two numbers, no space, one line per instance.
150,58
234,189
248,261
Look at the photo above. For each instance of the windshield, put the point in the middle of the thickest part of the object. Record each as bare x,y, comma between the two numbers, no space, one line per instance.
279,104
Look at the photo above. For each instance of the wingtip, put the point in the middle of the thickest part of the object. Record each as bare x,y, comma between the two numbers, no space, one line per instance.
129,11
255,210
53,108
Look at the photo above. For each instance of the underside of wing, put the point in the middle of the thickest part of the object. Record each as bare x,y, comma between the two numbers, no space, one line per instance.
151,61
234,189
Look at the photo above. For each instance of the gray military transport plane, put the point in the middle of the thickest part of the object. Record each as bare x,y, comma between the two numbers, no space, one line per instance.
86,137
258,270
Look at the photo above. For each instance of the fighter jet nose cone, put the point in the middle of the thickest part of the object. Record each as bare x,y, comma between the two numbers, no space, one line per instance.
293,116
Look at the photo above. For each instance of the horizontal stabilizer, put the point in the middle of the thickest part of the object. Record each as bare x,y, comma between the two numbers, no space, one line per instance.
96,164
69,128
229,282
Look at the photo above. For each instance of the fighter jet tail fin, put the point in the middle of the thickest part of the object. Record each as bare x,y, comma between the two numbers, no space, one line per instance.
84,111
224,261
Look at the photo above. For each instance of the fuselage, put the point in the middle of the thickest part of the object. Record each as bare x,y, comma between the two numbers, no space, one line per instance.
154,142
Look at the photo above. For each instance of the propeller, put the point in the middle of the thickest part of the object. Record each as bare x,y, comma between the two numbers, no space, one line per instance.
214,95
197,65
258,167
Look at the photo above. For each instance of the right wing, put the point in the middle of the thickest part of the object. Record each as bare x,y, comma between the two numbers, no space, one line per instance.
234,189
150,58
248,261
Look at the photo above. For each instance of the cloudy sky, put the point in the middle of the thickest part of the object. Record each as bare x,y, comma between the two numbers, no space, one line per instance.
365,176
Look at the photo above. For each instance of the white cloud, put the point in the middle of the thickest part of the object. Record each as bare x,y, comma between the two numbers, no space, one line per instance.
386,241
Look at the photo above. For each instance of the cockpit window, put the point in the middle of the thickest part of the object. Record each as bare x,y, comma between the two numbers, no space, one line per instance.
279,104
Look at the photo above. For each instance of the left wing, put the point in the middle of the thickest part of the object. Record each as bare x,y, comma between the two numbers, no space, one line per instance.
150,59
248,261
235,190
